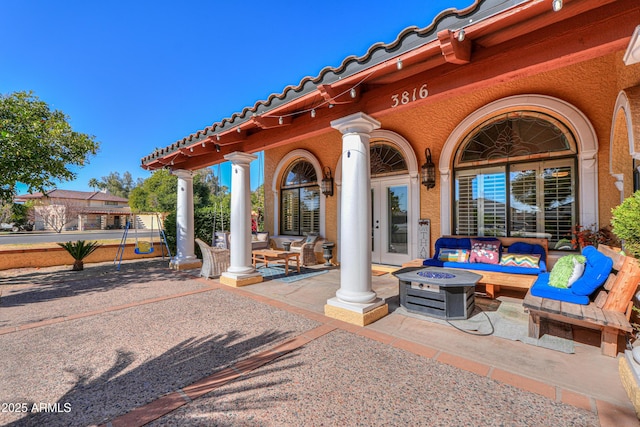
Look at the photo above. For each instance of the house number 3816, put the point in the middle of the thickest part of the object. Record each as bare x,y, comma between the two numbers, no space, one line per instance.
407,97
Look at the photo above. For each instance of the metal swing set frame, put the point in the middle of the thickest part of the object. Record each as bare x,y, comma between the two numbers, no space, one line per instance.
141,246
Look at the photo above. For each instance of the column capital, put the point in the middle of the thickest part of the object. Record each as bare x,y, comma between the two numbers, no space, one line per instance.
240,158
356,123
183,173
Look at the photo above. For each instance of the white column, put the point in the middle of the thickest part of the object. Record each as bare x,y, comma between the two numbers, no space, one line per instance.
355,291
184,222
241,266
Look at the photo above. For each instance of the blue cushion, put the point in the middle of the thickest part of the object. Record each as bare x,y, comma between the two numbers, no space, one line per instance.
542,289
528,248
491,267
458,243
465,243
433,262
451,243
596,271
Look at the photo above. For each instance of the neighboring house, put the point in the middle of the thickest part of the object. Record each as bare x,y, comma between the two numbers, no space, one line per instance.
77,210
518,117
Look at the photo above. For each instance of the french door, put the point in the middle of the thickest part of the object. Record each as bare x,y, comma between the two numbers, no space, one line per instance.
390,222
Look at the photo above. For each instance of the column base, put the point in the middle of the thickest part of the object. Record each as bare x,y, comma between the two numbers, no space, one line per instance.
629,371
185,263
239,280
356,314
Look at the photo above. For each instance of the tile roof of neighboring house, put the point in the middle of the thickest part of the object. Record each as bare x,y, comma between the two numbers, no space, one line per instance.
72,194
103,210
409,39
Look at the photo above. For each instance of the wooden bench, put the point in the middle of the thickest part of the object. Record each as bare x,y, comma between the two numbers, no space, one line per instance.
494,280
609,312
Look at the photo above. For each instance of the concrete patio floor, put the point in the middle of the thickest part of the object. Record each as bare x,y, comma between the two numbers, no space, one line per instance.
151,345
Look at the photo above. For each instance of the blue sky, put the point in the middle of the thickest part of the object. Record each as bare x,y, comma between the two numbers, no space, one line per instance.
140,75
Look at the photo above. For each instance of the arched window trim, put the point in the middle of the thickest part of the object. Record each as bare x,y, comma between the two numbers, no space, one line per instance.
623,111
382,142
577,122
310,182
411,159
571,151
277,179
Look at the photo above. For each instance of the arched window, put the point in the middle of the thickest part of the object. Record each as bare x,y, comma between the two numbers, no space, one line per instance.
515,175
300,195
386,160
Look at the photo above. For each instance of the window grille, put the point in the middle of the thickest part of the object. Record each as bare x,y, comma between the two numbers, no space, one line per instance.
522,179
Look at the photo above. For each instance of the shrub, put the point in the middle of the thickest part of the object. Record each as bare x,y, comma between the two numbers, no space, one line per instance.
170,231
626,224
79,250
587,236
203,218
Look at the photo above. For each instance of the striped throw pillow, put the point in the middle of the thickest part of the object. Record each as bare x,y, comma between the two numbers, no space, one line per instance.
453,255
520,260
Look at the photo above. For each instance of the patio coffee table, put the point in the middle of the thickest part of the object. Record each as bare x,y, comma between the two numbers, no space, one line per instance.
438,292
270,256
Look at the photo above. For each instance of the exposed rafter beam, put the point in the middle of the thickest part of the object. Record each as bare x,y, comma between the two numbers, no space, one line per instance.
339,95
227,138
455,47
270,122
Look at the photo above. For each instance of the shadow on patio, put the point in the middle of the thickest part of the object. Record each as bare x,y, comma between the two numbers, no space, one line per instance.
97,397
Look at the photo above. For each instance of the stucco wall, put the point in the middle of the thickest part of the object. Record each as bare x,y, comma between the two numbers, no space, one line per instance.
590,86
326,148
47,257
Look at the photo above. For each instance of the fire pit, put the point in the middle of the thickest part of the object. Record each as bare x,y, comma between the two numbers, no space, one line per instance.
437,292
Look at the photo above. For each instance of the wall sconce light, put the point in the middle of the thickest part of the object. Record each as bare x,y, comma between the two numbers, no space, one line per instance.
327,182
428,171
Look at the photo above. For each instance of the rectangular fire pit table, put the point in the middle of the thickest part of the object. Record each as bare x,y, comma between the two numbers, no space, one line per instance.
267,256
444,293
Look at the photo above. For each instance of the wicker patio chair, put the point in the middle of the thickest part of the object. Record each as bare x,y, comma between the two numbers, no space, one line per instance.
306,249
215,261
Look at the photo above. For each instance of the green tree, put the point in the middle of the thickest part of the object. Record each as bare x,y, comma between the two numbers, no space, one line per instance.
14,213
208,178
94,183
158,193
115,184
257,205
37,145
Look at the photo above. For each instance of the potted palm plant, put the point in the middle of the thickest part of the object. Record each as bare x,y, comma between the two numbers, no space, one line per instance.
79,250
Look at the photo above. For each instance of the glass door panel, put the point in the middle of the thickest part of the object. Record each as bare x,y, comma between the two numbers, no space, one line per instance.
397,219
390,225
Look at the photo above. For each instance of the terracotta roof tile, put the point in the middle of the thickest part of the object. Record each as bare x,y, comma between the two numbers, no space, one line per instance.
409,39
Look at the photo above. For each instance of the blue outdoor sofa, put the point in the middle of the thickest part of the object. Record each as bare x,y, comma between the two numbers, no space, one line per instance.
596,271
601,298
495,275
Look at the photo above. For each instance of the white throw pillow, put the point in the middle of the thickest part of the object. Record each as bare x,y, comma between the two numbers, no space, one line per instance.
578,271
